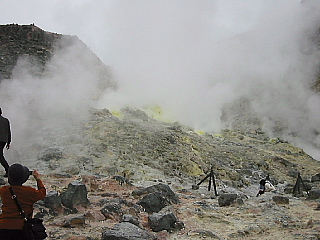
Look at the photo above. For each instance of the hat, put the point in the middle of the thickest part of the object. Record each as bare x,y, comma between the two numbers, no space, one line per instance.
18,174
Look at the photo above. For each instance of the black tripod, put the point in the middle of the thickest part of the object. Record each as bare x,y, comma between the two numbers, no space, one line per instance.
211,181
297,187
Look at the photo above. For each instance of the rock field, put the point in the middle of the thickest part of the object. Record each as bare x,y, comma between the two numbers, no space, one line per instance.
115,156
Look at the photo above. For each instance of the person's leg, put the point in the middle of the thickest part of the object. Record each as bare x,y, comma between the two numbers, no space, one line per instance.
3,161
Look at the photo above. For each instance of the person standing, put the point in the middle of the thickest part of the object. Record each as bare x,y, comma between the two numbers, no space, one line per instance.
5,140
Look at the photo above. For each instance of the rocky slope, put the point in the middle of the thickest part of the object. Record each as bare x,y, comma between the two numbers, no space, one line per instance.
149,152
139,151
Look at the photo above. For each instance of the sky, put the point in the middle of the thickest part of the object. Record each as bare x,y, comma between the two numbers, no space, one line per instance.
192,58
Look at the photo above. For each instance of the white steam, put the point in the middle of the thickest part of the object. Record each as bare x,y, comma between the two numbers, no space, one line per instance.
191,57
42,105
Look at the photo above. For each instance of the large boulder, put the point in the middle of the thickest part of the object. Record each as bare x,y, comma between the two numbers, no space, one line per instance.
164,220
76,194
153,202
110,209
157,197
53,202
161,188
127,231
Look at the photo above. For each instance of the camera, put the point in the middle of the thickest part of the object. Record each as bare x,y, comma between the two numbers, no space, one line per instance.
30,173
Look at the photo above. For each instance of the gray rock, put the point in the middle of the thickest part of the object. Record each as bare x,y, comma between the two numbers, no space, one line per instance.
164,189
75,194
131,219
226,199
153,202
315,178
162,221
127,231
314,194
280,200
111,208
205,234
74,220
53,202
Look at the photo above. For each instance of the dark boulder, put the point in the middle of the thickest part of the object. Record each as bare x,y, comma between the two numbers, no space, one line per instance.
163,189
153,202
127,231
76,194
53,202
111,208
164,220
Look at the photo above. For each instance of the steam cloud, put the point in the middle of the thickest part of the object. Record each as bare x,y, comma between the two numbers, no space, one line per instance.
192,58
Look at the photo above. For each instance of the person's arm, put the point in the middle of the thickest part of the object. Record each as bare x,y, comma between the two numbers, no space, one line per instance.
9,136
41,189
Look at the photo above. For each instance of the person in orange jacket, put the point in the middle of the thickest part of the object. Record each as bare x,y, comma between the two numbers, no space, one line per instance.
11,222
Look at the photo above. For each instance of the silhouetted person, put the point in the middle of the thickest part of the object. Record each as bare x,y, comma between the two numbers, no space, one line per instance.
5,140
262,187
265,186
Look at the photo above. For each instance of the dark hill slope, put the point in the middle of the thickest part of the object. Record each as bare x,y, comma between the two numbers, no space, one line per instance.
38,47
18,40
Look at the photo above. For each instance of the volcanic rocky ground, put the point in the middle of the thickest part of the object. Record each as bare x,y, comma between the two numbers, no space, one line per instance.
145,152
